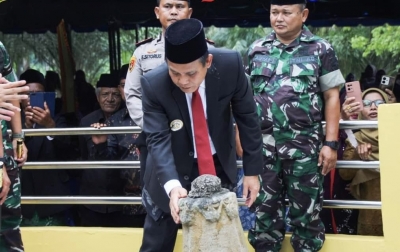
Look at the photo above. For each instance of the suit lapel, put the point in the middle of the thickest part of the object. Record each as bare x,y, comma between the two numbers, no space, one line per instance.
181,101
212,91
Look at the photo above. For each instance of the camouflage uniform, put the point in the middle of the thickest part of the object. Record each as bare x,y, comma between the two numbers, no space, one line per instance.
288,82
11,217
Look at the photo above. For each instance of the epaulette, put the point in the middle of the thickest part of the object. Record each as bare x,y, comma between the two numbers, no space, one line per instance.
210,41
145,41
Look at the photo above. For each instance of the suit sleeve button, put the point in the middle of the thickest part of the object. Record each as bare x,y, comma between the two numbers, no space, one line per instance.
191,153
186,177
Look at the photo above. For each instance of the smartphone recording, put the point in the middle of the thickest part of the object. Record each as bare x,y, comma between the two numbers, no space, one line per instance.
353,89
387,82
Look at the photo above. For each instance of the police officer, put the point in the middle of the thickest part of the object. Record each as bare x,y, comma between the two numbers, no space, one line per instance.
295,77
148,55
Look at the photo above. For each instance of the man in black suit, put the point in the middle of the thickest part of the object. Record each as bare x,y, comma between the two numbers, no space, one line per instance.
43,148
185,141
101,182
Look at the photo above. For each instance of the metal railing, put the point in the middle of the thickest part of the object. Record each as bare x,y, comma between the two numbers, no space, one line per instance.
361,124
349,204
82,165
136,129
136,165
78,200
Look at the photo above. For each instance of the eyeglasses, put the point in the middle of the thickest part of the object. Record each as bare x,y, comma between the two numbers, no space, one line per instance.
368,103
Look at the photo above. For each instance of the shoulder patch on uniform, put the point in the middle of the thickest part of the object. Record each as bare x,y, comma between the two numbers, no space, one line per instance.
144,42
210,41
132,63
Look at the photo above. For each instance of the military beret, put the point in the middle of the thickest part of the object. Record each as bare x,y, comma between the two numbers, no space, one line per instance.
185,41
288,2
32,76
107,80
123,71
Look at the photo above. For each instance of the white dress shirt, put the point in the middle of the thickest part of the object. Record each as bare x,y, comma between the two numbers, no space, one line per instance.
202,91
48,137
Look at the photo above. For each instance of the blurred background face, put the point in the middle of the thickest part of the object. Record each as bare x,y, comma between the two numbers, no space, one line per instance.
121,87
170,11
371,102
33,88
109,99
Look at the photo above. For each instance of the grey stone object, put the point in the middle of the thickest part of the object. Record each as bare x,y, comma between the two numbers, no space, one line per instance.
210,218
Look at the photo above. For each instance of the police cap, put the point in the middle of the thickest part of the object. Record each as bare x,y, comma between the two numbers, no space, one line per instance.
108,80
288,2
185,41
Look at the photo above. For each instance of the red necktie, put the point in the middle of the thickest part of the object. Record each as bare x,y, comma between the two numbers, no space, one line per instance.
204,156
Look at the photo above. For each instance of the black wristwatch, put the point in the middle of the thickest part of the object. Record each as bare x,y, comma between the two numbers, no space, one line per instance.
333,144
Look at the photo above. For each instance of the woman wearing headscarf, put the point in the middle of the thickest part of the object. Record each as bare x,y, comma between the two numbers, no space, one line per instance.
363,145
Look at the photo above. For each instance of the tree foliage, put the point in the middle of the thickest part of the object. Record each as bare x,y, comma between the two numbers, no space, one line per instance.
90,51
236,38
383,45
26,50
355,47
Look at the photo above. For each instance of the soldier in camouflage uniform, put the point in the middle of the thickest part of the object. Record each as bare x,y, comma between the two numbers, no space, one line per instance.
10,235
295,78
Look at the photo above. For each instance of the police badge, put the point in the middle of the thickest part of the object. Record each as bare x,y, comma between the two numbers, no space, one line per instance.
132,63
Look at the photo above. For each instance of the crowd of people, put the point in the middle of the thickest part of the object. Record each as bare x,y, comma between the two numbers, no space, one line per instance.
201,109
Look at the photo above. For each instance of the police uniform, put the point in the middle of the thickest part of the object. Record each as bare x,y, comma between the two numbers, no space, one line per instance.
11,216
148,55
288,83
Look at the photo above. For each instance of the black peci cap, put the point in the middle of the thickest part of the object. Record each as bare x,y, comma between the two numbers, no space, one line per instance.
107,80
185,41
32,76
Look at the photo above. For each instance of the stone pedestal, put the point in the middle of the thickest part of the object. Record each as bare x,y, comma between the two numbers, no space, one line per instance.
210,218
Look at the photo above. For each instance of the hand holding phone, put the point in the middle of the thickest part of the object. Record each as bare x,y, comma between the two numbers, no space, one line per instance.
37,99
387,82
353,89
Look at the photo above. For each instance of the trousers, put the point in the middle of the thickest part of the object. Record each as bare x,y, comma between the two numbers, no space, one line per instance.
301,181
